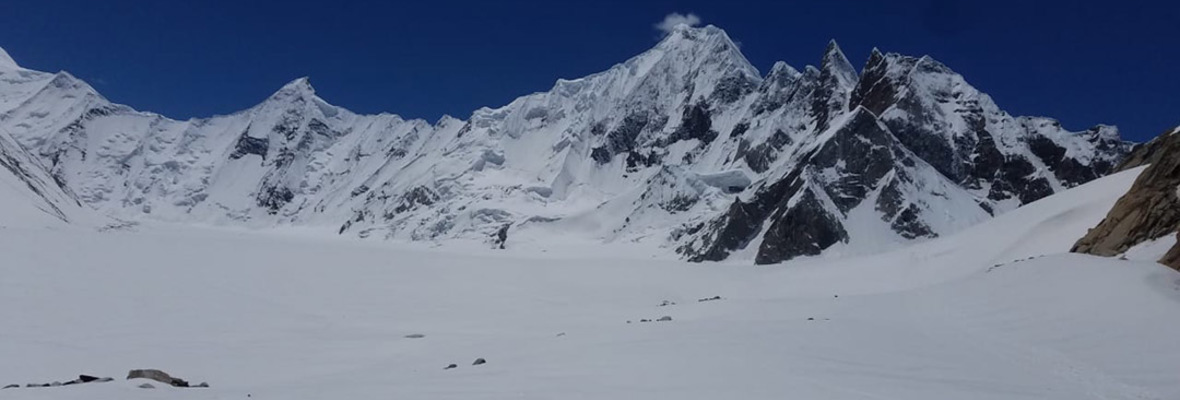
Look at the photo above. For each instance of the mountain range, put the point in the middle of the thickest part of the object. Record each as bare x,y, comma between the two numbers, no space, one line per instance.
686,147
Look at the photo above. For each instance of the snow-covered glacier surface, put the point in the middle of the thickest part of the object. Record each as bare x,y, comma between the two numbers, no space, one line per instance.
686,149
997,311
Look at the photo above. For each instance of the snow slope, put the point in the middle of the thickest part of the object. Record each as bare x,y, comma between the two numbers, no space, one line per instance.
31,198
298,315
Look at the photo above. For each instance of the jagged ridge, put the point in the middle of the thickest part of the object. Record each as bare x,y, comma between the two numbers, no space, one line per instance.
685,145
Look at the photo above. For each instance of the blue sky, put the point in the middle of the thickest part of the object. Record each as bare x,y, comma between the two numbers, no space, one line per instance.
1084,62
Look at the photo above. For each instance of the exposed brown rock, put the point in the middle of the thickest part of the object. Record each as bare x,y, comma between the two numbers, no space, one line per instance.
1149,211
1172,258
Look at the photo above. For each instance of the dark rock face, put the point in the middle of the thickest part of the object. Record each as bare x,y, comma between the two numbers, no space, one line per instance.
733,87
1150,210
600,154
742,222
1016,177
739,129
418,196
903,217
920,119
274,198
803,230
987,160
861,153
695,124
622,139
501,236
831,94
877,90
761,156
249,145
860,159
636,160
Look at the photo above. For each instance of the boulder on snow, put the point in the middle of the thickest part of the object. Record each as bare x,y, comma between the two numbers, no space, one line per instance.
157,375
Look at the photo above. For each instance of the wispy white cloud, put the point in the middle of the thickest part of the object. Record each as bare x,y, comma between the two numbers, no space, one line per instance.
672,20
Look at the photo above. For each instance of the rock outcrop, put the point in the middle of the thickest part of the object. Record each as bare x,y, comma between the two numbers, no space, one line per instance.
1151,208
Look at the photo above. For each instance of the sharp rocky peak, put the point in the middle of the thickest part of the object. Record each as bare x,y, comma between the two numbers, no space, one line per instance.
836,64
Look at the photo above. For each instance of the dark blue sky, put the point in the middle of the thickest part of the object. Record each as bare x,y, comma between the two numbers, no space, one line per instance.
1084,62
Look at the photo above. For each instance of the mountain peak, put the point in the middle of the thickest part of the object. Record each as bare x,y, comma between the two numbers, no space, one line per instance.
836,63
302,85
782,68
687,36
832,45
6,60
298,88
708,39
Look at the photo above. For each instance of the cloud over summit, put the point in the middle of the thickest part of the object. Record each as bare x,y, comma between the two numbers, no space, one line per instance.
672,20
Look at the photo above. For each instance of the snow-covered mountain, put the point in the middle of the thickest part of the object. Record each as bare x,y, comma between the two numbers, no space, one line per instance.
31,198
686,146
